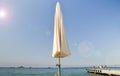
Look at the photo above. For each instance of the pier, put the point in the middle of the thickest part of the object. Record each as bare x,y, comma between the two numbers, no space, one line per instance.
105,72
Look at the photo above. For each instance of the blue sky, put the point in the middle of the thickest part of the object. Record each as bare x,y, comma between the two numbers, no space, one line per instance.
92,28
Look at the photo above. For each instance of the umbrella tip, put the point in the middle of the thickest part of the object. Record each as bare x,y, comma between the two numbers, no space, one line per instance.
58,3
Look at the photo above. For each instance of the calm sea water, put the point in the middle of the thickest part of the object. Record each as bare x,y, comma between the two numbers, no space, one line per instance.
44,72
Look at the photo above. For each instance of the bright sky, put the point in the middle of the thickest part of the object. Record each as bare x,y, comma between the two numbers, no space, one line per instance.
92,28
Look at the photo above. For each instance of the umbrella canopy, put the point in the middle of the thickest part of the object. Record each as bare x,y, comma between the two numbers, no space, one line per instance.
60,44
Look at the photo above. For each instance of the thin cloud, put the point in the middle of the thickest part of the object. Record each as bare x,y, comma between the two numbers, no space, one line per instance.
89,54
86,48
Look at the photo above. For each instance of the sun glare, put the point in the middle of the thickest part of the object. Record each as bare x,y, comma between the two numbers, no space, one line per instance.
3,14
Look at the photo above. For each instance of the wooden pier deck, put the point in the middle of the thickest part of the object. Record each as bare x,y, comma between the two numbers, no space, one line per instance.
105,72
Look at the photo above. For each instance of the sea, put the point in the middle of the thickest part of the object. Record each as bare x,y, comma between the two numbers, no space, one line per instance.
46,71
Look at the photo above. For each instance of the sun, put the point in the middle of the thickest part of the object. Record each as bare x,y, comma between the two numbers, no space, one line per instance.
3,14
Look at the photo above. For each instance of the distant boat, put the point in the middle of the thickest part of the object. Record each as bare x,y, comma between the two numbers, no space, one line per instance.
60,44
21,67
49,67
29,67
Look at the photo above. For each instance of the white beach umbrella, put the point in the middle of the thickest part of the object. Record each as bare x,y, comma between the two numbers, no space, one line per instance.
60,44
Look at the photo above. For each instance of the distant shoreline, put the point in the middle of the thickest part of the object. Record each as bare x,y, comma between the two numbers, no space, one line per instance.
49,67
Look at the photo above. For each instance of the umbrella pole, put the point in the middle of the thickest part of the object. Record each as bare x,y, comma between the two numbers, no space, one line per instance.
59,67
